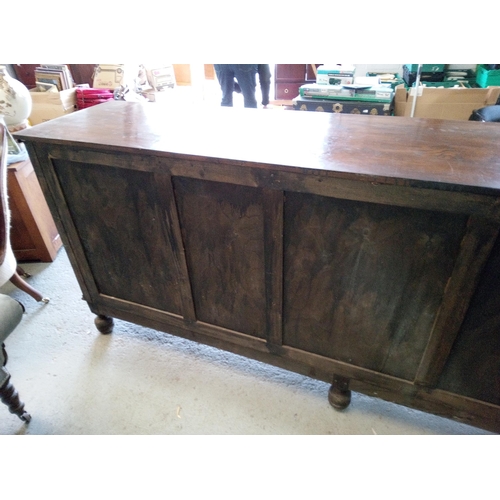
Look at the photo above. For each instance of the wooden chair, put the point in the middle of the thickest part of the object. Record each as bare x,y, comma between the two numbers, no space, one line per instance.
11,312
9,270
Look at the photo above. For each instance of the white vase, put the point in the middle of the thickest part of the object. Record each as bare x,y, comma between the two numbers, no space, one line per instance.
15,101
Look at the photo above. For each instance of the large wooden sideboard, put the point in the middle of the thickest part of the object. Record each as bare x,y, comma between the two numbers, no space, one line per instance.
358,250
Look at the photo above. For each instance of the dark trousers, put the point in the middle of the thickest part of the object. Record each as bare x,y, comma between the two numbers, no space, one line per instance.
265,82
245,74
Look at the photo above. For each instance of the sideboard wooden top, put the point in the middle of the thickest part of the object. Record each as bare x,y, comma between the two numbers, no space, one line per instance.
382,148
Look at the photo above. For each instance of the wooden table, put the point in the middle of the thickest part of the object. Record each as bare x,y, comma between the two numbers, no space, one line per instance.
362,251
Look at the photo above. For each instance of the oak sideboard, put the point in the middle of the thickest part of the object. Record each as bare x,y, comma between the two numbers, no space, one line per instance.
358,250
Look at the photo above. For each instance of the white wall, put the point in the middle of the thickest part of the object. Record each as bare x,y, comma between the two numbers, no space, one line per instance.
363,69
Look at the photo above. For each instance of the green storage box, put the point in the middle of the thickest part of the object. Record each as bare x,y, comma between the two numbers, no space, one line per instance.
447,84
426,68
487,77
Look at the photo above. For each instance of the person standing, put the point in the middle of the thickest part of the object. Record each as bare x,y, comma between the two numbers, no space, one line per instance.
265,82
264,72
245,74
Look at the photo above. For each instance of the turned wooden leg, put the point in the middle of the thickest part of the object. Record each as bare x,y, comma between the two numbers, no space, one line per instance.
339,395
5,357
10,397
25,287
104,323
22,272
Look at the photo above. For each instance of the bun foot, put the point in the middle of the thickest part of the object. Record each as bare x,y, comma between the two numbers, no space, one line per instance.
339,395
104,323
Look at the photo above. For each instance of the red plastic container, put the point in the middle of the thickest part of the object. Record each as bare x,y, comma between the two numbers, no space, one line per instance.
86,98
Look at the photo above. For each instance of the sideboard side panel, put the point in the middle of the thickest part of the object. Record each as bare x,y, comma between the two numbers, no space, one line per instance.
473,366
117,217
223,230
363,282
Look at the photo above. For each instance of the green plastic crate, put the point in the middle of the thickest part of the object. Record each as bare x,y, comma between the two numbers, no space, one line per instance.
426,68
447,85
487,77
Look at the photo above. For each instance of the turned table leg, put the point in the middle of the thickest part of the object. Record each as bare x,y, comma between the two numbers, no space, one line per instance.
10,397
339,395
104,323
27,288
22,272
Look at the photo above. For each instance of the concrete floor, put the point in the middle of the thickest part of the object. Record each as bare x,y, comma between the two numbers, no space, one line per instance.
137,381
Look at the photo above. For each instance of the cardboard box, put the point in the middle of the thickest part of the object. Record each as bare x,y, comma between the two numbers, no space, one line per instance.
337,75
443,103
111,76
50,105
377,93
161,77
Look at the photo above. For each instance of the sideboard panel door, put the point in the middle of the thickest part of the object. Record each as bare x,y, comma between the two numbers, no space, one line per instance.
124,244
223,230
363,281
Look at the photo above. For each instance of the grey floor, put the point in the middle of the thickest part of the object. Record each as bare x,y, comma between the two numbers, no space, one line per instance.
137,381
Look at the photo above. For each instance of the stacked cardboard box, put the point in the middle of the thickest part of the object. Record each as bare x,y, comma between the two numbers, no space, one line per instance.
443,103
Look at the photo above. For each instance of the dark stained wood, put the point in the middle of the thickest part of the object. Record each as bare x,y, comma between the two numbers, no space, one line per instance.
25,73
339,395
288,79
361,251
104,323
273,235
363,281
90,193
380,150
10,397
223,236
83,73
474,359
475,250
172,233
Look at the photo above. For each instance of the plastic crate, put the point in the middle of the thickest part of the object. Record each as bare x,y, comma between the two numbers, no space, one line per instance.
447,84
393,82
487,77
86,98
411,76
426,68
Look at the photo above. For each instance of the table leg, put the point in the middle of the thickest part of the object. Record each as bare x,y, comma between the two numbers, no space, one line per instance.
104,323
10,397
339,395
